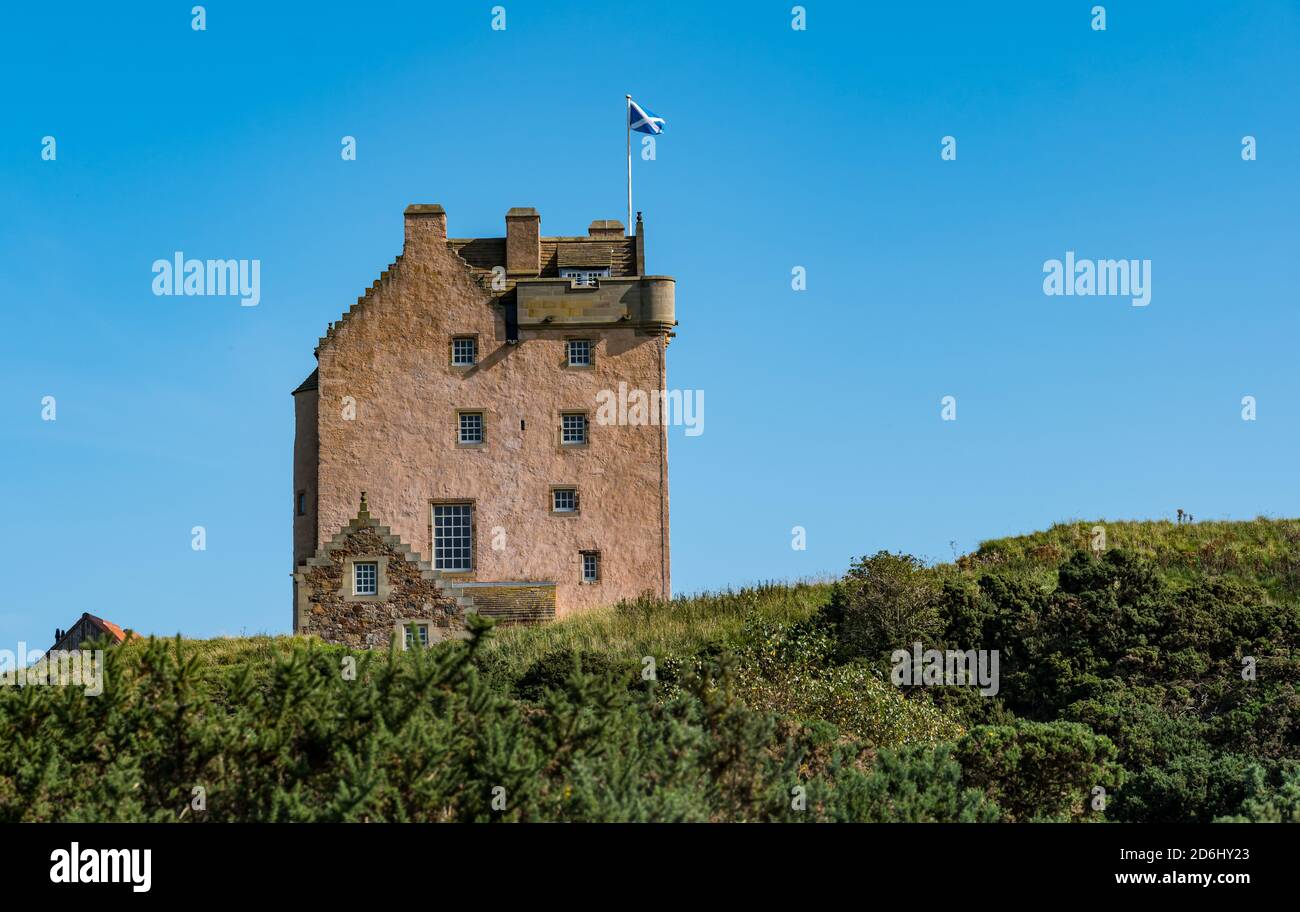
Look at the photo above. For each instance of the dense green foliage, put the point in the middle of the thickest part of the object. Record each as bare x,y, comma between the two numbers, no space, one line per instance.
1158,680
426,736
1168,670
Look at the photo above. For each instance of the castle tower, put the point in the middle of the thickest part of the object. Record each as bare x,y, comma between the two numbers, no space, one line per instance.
468,392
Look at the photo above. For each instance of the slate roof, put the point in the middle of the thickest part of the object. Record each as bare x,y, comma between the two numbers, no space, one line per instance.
619,254
312,382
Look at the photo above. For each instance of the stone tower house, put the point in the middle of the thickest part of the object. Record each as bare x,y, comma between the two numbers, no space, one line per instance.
461,393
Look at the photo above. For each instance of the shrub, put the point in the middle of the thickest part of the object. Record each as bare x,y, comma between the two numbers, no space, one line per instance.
773,703
1196,786
1039,771
1268,801
914,784
413,736
553,671
885,602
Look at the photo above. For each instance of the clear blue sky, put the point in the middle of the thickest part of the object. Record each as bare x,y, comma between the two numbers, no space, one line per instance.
818,149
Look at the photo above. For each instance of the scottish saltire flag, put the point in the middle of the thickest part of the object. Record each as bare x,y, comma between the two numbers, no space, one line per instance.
643,121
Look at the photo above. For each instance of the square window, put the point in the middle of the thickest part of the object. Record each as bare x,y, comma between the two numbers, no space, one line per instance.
579,353
365,578
417,634
591,566
471,427
573,429
464,351
302,503
453,529
564,500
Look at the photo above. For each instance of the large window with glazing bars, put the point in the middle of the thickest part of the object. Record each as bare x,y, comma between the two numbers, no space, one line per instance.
453,536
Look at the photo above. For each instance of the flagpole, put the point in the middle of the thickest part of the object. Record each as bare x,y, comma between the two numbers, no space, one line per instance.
627,122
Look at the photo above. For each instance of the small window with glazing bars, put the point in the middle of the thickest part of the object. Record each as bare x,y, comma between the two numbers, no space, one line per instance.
365,578
470,431
573,428
591,566
579,353
564,500
464,351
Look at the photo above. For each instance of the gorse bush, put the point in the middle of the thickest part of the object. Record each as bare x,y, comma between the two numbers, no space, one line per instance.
920,783
1040,771
1270,801
1179,693
1159,681
411,736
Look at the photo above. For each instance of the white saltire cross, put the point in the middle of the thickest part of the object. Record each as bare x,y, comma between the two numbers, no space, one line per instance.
654,123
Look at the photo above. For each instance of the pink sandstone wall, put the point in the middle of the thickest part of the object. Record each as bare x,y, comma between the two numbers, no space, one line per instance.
392,357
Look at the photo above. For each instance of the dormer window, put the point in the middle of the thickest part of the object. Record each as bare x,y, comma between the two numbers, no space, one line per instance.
585,277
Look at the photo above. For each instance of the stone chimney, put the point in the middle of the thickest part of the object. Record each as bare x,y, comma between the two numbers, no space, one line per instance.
523,242
605,228
425,222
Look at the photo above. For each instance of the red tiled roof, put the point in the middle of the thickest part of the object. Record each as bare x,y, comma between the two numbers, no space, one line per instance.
116,633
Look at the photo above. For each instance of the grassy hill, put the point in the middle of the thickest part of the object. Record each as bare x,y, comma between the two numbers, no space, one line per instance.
630,629
1262,551
1156,680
